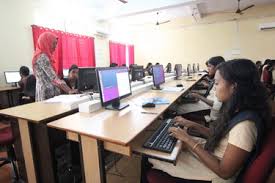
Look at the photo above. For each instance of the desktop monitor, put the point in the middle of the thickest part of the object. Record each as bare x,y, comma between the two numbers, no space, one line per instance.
12,77
178,69
194,68
137,73
114,84
65,73
158,76
87,79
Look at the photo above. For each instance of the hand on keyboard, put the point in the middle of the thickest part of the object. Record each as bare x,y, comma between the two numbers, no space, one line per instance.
182,122
179,134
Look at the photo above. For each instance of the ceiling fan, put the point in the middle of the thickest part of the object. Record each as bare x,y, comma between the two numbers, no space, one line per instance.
240,11
123,1
163,22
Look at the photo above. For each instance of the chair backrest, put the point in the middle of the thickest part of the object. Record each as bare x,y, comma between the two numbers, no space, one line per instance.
261,168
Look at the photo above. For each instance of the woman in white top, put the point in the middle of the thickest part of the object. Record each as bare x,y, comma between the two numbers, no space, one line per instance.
230,145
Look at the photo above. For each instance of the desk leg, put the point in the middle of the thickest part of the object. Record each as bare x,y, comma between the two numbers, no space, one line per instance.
92,160
27,149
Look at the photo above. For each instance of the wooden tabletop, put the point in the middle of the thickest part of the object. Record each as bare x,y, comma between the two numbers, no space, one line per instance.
8,88
36,112
123,126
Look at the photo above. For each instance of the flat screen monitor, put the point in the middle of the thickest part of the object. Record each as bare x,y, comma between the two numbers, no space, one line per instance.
178,70
137,73
114,84
65,73
194,68
87,79
158,76
12,77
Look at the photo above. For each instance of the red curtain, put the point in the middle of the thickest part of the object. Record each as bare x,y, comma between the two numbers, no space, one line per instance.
131,55
71,49
117,53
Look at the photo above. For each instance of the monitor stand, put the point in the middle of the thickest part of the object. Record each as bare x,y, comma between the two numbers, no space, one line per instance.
156,87
116,105
14,84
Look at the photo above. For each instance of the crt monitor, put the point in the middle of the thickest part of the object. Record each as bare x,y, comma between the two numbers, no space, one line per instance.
178,70
87,79
114,84
137,73
12,77
158,76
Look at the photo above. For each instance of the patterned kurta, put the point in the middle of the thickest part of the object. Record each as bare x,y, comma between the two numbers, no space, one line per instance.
44,79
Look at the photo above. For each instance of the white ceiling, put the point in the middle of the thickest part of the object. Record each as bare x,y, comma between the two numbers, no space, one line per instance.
144,11
106,9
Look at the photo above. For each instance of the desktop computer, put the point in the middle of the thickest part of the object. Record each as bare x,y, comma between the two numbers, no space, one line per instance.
12,77
114,84
188,69
158,76
194,68
87,80
178,70
137,73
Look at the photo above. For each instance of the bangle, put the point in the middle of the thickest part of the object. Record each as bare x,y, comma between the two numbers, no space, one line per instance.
196,145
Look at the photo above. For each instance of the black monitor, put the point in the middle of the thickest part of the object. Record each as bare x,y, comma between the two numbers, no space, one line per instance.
194,68
87,79
12,77
114,84
137,72
178,70
158,76
188,69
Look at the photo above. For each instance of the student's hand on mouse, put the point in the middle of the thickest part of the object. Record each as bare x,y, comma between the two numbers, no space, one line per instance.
180,121
179,134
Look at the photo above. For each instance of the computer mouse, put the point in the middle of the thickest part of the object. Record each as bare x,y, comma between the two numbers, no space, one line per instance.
149,104
179,85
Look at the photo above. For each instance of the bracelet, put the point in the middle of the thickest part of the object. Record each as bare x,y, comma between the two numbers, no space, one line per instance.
196,145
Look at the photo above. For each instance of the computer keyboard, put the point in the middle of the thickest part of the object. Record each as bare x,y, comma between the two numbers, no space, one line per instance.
160,140
189,99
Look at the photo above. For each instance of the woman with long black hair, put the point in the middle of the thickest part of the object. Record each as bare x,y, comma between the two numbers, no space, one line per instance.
238,134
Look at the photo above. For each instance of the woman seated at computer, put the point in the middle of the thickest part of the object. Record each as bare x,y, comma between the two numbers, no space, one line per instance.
208,97
48,84
244,121
71,81
149,69
27,85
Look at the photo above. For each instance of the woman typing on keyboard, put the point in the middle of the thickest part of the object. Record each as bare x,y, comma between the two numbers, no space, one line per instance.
238,133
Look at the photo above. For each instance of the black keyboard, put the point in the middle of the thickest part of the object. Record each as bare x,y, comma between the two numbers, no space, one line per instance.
160,140
189,99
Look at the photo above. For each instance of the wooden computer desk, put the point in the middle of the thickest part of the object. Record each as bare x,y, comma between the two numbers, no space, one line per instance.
115,130
8,90
34,144
34,152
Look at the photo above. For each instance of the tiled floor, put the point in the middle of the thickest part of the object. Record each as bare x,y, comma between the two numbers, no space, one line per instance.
126,170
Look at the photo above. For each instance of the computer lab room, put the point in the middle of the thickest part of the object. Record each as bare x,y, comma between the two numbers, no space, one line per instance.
137,91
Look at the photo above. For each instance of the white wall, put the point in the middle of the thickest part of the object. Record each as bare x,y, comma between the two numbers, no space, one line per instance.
17,16
15,35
